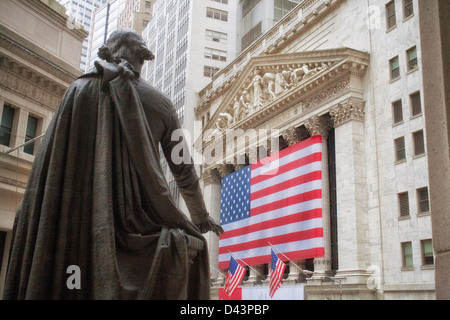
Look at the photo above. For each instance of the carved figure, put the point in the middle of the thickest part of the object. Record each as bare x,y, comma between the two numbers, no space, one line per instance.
300,74
269,83
256,86
239,108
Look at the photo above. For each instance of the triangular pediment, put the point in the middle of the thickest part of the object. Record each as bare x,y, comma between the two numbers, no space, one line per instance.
268,82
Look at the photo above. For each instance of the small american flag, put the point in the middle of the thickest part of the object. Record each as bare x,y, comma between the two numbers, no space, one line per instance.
276,200
276,273
234,276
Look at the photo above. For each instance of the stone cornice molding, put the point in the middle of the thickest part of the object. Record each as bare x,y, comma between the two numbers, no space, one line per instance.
351,109
30,84
10,48
291,27
339,60
50,9
333,78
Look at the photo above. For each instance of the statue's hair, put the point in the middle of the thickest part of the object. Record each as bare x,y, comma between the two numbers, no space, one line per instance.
125,44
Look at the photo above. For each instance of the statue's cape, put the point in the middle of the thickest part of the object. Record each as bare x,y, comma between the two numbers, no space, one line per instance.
97,172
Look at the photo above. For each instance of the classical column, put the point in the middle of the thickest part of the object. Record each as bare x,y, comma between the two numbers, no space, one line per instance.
291,137
351,195
320,125
211,191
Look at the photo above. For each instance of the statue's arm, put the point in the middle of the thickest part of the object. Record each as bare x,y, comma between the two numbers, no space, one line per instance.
185,175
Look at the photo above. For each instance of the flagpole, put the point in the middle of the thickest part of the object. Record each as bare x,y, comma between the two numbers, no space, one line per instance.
306,273
218,271
245,263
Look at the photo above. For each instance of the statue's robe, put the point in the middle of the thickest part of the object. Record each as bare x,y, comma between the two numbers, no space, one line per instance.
97,199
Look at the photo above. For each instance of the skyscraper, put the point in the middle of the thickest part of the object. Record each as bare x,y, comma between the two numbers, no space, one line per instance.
137,14
81,12
104,21
191,41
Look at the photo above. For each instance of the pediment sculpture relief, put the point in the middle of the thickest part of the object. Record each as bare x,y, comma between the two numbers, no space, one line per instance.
265,87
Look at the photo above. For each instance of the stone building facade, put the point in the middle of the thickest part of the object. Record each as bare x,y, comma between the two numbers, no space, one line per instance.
39,59
350,71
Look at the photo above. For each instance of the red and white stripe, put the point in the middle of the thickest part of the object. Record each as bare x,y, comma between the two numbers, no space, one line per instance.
275,277
233,280
286,208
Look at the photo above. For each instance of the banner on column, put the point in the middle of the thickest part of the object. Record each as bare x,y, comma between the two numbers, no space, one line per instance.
276,200
262,293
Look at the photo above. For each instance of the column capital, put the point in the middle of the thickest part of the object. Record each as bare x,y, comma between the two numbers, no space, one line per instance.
294,135
351,109
211,176
225,169
318,125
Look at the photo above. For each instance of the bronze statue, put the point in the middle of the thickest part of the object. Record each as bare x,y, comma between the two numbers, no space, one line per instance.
97,201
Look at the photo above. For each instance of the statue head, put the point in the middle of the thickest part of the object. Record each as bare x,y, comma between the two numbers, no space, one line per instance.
126,44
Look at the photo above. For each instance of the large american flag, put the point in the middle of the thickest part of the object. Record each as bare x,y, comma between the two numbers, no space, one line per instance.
277,200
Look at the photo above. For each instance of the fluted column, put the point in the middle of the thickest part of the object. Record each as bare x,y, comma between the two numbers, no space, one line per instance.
320,125
291,137
351,192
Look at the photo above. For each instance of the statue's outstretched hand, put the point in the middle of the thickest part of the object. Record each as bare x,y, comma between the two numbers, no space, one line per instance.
210,225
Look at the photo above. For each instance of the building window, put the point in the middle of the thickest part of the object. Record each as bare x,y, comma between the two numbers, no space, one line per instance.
407,256
6,125
395,68
282,7
427,252
412,59
148,4
248,38
400,150
210,71
215,54
221,1
30,134
423,202
419,144
390,15
248,5
398,112
217,14
403,201
416,104
216,36
408,8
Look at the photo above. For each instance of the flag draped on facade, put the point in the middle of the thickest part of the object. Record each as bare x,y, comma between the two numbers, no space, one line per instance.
277,200
234,276
276,273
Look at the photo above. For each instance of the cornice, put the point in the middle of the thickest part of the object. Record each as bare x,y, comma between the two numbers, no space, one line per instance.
31,83
10,49
326,83
50,9
291,27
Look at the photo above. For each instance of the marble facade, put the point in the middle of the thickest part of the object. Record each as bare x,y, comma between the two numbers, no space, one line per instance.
325,67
